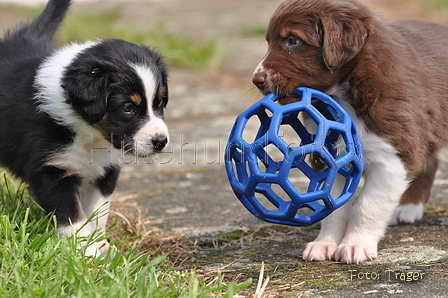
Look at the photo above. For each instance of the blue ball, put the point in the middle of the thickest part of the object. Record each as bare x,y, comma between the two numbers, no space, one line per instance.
266,168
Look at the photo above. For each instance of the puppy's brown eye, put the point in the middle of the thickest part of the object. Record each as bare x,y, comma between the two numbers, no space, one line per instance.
293,41
128,108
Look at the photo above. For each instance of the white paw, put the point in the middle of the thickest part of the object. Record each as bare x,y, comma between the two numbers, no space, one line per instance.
407,214
355,253
92,247
95,248
92,250
319,250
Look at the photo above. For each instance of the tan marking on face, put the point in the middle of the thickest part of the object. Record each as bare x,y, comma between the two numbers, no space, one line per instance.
135,97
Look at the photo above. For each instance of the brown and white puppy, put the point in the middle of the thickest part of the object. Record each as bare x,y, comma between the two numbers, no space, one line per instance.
393,80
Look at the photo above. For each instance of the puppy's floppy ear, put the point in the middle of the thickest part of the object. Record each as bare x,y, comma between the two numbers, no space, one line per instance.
87,92
344,33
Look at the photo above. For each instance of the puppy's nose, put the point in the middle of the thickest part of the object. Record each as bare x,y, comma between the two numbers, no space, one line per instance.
159,141
259,79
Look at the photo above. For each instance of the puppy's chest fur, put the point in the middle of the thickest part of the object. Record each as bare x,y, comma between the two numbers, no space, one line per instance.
88,156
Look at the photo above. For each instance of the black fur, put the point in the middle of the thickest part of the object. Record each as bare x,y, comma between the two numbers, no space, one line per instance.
26,134
55,191
107,183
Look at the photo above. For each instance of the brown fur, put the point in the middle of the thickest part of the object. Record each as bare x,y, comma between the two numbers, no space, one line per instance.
420,189
135,98
396,75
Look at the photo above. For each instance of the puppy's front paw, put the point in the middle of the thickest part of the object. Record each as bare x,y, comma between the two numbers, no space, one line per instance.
95,249
92,250
407,214
319,250
355,253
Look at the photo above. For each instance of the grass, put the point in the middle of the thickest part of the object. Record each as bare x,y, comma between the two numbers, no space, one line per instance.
431,7
36,263
435,4
179,50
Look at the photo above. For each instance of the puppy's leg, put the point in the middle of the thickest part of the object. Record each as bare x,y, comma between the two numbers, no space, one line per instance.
81,228
332,230
416,196
95,207
385,182
56,192
95,201
333,227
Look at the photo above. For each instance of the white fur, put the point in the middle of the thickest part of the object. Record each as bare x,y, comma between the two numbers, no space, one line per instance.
87,156
406,214
83,229
155,125
50,95
351,233
260,67
79,228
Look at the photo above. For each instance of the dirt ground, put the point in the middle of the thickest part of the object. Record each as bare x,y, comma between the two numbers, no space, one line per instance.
183,193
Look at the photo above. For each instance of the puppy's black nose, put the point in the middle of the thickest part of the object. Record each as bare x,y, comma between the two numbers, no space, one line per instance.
159,141
259,79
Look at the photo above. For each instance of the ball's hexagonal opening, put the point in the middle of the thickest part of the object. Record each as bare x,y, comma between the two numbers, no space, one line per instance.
270,159
308,209
335,143
339,186
272,200
343,184
289,136
240,166
316,162
299,180
251,129
256,126
307,174
327,110
274,153
350,172
298,129
266,203
268,113
307,122
272,197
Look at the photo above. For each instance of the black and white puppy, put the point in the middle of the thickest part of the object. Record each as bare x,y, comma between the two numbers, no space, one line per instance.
65,113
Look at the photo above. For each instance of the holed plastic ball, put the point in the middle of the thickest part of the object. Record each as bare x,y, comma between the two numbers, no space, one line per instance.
300,162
